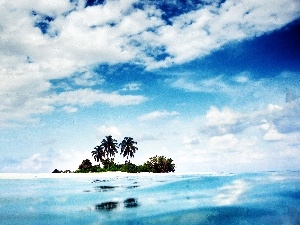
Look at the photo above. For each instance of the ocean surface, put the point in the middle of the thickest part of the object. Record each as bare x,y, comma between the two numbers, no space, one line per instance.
118,198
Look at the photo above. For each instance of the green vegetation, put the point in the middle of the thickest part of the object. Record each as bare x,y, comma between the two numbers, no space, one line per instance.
160,164
105,154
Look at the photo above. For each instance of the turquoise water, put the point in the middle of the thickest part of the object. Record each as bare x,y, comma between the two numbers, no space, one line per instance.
261,198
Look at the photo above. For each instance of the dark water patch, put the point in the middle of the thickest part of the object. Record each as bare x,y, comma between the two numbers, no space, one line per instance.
131,203
104,188
86,190
99,181
237,215
292,194
132,186
231,212
190,184
106,206
212,216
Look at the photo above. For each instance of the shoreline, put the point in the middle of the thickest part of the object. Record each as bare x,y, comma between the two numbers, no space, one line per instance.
95,175
113,174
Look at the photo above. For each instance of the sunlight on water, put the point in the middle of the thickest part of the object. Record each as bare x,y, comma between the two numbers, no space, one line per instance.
229,194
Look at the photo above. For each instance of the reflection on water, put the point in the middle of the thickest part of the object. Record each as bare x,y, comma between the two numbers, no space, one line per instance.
109,206
131,203
104,188
106,206
133,186
99,181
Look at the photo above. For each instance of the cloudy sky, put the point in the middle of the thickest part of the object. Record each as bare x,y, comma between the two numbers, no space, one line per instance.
212,84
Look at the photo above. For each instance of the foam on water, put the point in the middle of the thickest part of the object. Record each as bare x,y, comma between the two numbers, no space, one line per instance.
119,198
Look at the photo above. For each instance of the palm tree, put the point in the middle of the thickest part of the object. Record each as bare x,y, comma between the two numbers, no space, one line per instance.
127,147
109,146
98,154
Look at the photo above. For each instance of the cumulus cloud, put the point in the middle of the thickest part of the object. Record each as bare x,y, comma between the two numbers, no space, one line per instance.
46,41
109,130
274,123
273,135
157,115
221,117
221,122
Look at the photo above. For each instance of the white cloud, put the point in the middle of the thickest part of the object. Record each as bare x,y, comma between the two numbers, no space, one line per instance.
88,79
147,137
226,121
239,140
25,105
62,160
34,163
221,122
83,38
221,117
19,107
286,119
191,141
225,142
60,56
157,115
201,31
78,39
88,96
109,130
70,109
207,85
273,135
132,87
242,78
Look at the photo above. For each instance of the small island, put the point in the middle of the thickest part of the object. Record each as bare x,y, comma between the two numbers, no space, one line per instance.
104,155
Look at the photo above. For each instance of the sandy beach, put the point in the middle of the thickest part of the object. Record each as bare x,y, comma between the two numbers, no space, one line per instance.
64,175
96,175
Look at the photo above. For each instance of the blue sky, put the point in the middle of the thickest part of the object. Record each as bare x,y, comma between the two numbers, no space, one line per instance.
213,85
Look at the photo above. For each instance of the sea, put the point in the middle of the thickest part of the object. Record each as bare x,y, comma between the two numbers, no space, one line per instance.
145,198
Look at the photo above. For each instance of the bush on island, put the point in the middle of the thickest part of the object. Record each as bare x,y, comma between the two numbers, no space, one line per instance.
56,171
160,164
86,164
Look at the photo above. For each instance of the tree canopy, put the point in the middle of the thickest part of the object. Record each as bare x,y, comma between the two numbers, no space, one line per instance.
128,147
109,146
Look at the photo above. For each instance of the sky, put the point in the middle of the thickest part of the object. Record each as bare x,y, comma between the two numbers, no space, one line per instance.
214,85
